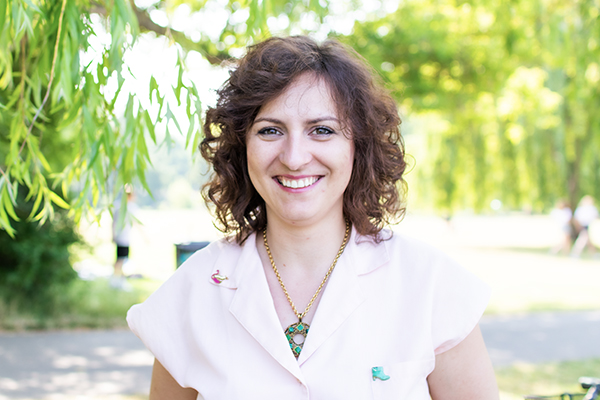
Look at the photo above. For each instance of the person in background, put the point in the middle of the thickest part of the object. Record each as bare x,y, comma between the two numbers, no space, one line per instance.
309,296
124,216
562,217
585,213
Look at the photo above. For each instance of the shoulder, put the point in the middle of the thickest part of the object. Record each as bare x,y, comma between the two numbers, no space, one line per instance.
185,290
454,297
422,284
425,271
402,258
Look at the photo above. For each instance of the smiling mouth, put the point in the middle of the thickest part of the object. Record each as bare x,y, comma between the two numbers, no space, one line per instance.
297,183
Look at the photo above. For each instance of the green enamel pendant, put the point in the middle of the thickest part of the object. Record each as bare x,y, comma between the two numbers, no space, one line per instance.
296,336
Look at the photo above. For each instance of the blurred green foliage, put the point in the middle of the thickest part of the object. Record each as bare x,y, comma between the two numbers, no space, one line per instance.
35,267
509,91
74,125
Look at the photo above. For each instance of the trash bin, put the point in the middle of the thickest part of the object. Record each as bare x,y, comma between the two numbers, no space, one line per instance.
185,250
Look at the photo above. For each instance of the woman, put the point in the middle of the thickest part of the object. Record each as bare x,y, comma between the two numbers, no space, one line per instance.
310,298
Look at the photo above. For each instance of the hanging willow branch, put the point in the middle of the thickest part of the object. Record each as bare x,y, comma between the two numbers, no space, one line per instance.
37,114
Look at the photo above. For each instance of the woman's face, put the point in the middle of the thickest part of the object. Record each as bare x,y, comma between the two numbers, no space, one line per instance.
299,159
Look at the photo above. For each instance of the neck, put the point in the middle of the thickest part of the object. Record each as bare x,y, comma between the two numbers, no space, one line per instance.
308,247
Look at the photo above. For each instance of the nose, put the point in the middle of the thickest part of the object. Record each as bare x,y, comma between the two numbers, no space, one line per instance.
295,152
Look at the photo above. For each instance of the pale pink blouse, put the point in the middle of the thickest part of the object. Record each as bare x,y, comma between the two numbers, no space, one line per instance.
393,305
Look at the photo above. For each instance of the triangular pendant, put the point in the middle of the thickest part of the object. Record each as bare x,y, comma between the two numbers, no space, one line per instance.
296,336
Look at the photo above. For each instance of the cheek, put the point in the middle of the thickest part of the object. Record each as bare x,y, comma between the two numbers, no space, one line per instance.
253,150
350,159
345,166
252,161
259,158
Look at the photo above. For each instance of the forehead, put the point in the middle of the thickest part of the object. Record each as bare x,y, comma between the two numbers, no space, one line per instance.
307,94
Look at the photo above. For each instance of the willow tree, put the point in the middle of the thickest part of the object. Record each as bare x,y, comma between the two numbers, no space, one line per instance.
511,93
60,124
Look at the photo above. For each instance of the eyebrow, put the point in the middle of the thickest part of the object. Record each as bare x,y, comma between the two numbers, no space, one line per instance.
312,121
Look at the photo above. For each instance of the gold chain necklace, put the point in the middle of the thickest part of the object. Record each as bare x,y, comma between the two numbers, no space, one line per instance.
301,328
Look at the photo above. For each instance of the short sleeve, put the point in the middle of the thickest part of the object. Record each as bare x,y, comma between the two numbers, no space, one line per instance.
459,300
158,321
162,322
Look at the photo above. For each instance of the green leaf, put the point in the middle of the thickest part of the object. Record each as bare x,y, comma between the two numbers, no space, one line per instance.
153,87
142,178
36,205
56,199
149,125
188,103
168,139
5,223
190,132
95,151
161,102
64,75
42,159
120,82
180,84
3,11
171,117
141,145
196,143
8,204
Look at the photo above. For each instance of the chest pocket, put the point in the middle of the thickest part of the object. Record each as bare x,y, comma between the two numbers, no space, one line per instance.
407,381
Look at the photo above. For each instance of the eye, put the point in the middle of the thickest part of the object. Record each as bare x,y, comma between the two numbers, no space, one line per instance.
268,131
322,130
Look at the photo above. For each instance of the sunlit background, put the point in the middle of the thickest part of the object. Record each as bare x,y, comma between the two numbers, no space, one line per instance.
499,104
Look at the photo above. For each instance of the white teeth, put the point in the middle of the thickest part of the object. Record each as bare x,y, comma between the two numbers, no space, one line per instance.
298,183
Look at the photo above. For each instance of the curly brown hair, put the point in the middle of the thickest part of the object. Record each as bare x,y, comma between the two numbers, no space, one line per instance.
375,194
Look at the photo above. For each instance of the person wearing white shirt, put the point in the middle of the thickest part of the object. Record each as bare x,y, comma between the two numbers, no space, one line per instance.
585,213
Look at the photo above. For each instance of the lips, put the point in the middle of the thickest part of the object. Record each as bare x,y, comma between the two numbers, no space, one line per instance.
297,183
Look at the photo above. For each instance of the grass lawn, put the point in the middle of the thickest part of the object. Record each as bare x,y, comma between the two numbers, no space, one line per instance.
544,379
86,305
